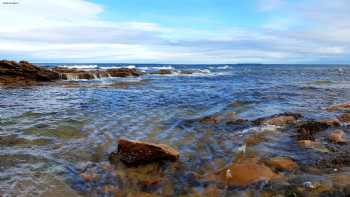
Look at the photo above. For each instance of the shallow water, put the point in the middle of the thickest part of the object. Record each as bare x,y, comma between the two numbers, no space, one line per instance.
52,133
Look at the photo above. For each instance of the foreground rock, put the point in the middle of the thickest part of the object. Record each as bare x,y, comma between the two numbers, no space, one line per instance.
24,72
279,119
133,152
244,172
76,74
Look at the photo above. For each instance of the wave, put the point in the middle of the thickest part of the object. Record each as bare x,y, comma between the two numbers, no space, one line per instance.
80,66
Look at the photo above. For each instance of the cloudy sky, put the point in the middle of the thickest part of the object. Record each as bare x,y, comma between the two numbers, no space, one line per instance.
181,31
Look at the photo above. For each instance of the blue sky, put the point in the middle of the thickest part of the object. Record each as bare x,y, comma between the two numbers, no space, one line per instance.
182,31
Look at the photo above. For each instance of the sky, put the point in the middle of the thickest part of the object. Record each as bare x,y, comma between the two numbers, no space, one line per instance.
181,31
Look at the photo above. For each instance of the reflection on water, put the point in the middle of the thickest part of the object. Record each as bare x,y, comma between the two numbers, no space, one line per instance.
55,139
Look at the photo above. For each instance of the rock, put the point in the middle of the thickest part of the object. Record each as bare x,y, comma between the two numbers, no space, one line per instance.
243,172
124,72
137,153
307,129
331,122
76,74
282,163
339,107
214,119
163,72
345,118
23,73
313,145
338,136
279,119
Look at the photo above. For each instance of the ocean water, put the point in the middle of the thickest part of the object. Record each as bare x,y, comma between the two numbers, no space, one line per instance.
51,133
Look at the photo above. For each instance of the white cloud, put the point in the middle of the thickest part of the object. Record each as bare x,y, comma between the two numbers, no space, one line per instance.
72,30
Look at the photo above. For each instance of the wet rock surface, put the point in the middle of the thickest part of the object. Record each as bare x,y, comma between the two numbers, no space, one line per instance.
76,74
133,152
23,72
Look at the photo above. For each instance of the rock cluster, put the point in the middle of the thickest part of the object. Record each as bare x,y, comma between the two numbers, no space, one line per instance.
24,73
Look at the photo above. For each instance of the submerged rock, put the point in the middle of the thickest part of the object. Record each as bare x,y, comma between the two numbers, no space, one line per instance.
24,72
137,153
338,136
345,118
279,119
213,119
244,172
282,163
339,107
307,129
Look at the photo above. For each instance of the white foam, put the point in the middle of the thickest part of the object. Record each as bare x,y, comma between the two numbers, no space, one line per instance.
80,66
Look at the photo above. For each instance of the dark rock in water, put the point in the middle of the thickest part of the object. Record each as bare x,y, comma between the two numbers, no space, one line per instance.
133,152
279,119
163,72
24,72
73,73
307,129
187,72
331,122
214,119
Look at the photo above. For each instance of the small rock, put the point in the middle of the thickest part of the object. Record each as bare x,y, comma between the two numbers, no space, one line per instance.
279,119
345,118
136,152
211,120
88,177
338,136
283,163
309,185
331,122
163,72
339,107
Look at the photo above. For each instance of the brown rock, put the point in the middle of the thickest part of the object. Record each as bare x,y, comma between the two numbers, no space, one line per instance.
136,152
338,136
345,118
279,119
23,73
163,72
72,73
339,107
214,119
282,163
243,173
331,122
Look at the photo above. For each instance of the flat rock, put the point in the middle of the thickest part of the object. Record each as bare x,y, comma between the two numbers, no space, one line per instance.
279,119
134,152
338,136
243,173
339,107
283,163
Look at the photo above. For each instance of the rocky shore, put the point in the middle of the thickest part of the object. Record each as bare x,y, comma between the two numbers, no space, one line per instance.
25,73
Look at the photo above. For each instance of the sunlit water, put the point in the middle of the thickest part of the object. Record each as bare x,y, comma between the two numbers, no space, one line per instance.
51,133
